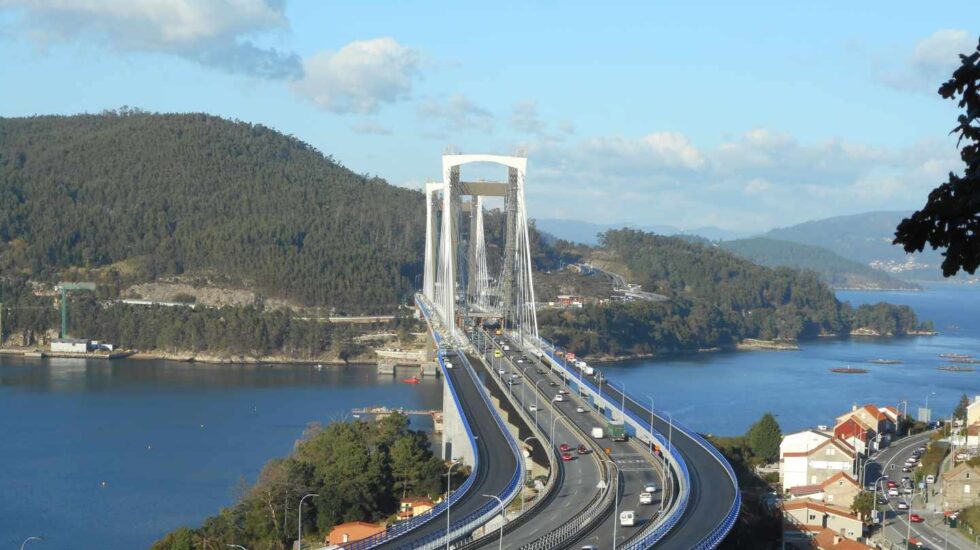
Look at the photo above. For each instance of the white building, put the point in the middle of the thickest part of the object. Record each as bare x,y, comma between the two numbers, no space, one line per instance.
811,457
973,411
69,345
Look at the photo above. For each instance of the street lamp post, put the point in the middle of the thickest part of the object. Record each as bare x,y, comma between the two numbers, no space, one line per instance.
503,519
536,391
29,539
864,472
449,482
908,518
651,423
299,521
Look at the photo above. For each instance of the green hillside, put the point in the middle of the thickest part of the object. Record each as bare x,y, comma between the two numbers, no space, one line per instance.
866,238
835,270
134,197
716,300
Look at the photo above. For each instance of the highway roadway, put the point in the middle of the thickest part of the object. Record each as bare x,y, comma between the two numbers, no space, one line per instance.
633,461
578,481
932,532
497,463
711,489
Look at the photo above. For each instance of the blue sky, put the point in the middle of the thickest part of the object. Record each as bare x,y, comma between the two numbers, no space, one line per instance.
743,116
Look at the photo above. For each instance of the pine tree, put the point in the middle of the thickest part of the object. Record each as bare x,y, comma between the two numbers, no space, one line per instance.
764,438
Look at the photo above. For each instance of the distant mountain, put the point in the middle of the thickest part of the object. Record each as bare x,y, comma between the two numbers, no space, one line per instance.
578,231
835,270
865,238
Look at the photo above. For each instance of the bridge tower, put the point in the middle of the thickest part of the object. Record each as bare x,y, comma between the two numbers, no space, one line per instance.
456,274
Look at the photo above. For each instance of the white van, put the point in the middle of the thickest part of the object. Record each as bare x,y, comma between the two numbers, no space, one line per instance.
646,498
627,518
597,432
449,364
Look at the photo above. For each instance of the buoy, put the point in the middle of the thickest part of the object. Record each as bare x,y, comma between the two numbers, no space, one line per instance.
104,484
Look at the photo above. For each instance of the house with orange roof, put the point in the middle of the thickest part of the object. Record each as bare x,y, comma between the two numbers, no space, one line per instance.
825,539
839,489
810,513
855,433
353,531
413,506
892,413
869,415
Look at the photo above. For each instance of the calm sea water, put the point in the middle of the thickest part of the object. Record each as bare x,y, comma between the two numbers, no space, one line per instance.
723,393
171,441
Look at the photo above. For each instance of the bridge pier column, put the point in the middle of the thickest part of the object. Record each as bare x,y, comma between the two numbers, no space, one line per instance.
455,443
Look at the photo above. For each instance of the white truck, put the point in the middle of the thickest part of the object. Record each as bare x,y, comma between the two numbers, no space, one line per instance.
627,518
597,432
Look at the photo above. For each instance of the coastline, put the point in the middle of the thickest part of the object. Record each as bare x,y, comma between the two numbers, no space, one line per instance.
199,358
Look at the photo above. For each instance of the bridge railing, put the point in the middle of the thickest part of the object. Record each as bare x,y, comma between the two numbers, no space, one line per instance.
648,539
667,522
408,525
464,526
468,523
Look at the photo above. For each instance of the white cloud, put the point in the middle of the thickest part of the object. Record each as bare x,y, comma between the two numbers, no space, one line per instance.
456,114
370,127
524,118
931,61
215,33
755,181
360,76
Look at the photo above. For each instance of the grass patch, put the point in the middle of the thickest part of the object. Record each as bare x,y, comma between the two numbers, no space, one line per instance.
931,460
970,520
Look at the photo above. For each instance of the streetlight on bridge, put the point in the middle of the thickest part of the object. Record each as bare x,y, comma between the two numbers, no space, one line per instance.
299,522
29,539
503,519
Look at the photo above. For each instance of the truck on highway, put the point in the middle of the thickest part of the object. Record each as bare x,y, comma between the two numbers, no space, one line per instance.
617,432
627,518
597,432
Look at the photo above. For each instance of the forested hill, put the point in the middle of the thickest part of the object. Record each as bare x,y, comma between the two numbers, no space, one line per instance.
716,299
835,270
148,195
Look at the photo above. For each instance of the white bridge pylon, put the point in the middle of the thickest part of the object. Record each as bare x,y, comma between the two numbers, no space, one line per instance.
456,272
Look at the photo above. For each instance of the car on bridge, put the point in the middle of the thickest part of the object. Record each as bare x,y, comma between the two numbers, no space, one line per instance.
567,457
916,518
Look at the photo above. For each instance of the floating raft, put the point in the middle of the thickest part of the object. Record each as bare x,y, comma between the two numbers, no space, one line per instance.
965,360
954,355
849,370
955,368
885,361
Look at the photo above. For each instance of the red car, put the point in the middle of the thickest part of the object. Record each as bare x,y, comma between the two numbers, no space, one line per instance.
566,456
583,450
892,484
915,518
564,447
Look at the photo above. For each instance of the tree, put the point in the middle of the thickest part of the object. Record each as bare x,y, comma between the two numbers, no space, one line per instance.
951,217
863,504
764,438
960,410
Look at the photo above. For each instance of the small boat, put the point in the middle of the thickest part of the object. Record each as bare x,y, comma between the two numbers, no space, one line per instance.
954,355
954,368
849,370
885,361
318,366
412,380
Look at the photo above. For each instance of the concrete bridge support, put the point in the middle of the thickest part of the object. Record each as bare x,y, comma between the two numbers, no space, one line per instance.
455,442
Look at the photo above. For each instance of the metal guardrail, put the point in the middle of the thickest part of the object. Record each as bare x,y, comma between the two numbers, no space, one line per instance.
597,505
404,527
721,531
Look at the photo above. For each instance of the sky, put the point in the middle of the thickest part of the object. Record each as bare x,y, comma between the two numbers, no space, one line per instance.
743,116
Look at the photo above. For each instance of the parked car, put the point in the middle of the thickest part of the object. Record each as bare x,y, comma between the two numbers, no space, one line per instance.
930,479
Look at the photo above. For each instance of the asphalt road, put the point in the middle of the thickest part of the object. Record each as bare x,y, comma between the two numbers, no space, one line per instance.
497,463
932,532
711,490
580,476
634,462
